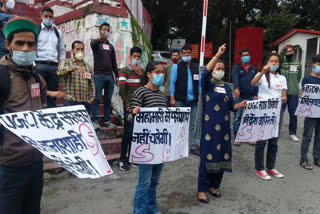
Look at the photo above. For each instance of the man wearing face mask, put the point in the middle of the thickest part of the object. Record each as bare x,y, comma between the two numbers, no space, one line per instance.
292,70
78,84
184,89
5,14
242,74
175,56
50,47
21,166
130,78
105,65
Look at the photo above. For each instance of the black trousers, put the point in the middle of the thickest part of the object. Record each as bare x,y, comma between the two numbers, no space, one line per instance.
126,138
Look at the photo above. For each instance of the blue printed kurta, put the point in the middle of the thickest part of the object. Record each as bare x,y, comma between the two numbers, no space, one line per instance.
215,144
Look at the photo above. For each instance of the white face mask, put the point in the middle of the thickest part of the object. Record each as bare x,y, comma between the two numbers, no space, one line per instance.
79,56
10,4
218,75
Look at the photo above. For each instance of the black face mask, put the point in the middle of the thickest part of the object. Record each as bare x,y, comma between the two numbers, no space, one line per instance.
289,57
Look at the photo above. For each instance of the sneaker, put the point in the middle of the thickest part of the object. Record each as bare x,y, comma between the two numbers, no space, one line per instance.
123,165
96,125
263,174
275,173
195,152
133,165
108,124
294,138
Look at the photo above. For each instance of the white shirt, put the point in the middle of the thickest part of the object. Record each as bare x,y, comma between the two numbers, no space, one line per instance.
277,84
49,47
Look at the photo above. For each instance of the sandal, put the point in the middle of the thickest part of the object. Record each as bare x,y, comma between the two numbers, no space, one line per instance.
317,162
252,143
306,165
216,194
236,143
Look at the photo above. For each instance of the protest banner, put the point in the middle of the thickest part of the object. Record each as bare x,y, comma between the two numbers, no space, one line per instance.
309,105
160,135
63,134
260,121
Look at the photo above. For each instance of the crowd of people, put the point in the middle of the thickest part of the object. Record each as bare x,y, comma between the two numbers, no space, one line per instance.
34,60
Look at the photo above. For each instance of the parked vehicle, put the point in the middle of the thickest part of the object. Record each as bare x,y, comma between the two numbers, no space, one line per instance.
163,56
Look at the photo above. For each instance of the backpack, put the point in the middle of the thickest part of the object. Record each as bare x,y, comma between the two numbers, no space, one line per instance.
54,28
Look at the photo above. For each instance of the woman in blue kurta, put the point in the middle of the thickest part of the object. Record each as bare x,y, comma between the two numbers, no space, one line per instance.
215,144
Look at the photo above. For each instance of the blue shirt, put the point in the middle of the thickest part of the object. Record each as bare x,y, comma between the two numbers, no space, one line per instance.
310,80
173,79
242,77
4,17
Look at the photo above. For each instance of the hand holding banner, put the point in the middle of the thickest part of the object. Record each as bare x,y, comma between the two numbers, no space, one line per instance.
309,105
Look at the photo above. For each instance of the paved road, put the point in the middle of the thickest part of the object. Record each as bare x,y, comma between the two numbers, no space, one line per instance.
243,192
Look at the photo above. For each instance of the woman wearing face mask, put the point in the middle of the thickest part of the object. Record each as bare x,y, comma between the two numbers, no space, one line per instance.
271,85
145,199
215,144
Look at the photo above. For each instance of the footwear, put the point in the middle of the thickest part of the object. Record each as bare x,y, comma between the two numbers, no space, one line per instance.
203,200
133,165
263,174
294,138
275,173
108,124
195,152
306,165
236,143
96,125
217,194
252,143
123,165
317,162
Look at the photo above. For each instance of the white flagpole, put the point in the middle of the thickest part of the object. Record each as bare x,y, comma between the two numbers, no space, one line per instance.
203,35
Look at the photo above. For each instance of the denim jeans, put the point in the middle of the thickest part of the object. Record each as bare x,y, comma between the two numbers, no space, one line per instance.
49,74
126,138
145,199
292,102
21,189
310,125
237,115
106,82
72,103
194,106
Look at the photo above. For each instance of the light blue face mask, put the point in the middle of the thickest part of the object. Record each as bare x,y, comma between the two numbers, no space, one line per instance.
186,58
106,35
135,62
47,22
22,58
245,59
316,69
158,79
273,68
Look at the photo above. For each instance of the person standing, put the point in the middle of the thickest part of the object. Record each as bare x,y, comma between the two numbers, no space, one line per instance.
50,48
242,74
271,85
129,81
21,166
5,14
292,70
311,125
77,77
105,65
185,88
175,56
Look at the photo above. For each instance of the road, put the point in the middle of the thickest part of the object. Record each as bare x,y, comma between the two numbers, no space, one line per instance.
242,191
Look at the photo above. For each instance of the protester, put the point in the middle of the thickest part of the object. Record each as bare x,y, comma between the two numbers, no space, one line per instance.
5,14
271,85
50,47
292,70
21,166
149,95
215,145
184,89
242,74
175,56
129,81
311,125
105,65
77,78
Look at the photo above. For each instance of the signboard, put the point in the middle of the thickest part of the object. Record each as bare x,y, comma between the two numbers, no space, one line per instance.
178,43
309,105
208,50
195,51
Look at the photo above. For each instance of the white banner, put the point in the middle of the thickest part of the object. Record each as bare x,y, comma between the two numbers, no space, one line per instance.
160,135
309,105
65,135
260,121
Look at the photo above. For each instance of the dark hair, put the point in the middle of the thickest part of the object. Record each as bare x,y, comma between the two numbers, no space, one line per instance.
316,58
47,9
135,50
218,61
11,35
150,67
186,47
76,42
266,62
175,51
245,50
104,24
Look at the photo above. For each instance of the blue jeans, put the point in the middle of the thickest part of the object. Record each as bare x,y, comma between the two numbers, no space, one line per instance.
103,81
310,125
194,106
21,189
292,102
237,115
72,103
145,199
